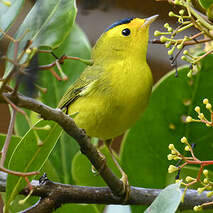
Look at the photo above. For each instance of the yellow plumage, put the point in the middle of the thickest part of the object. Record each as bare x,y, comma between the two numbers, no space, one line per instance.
111,94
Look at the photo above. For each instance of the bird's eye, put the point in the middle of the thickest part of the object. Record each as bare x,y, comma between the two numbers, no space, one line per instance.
126,31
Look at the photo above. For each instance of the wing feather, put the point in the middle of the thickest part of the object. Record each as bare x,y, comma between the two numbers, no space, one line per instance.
81,87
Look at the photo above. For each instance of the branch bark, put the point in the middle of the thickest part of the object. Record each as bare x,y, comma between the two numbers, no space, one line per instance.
53,195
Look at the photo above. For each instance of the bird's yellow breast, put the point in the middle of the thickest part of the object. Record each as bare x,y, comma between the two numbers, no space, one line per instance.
115,101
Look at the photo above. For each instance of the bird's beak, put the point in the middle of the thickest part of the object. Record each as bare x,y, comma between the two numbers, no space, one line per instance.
149,20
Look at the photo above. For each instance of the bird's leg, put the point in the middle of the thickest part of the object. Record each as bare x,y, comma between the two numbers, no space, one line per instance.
124,177
94,171
94,141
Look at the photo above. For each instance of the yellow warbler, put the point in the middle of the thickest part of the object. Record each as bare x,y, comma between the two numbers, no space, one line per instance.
110,95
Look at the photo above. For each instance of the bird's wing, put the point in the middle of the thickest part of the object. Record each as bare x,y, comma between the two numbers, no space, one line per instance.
81,86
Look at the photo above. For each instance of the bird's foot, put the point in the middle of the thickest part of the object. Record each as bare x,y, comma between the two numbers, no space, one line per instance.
126,186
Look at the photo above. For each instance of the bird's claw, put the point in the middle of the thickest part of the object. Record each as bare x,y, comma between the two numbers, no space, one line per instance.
126,187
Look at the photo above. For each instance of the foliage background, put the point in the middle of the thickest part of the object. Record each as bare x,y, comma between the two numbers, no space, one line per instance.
152,133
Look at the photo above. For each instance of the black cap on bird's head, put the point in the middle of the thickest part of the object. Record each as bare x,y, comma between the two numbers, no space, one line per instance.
128,20
122,21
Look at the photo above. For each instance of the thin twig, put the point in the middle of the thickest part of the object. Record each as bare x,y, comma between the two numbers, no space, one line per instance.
60,61
8,138
55,74
204,55
13,105
186,43
21,174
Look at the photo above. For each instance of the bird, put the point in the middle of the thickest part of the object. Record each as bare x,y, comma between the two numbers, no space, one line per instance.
112,93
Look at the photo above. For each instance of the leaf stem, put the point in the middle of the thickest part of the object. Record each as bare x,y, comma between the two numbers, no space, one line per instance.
21,174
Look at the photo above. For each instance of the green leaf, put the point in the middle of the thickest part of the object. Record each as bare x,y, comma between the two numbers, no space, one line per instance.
13,143
62,156
82,169
28,156
49,28
16,207
144,150
76,44
9,13
167,201
21,124
205,3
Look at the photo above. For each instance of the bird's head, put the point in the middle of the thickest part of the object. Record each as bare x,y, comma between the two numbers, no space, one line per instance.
125,37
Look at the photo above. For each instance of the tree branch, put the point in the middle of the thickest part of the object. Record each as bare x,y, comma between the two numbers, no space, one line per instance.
70,127
53,195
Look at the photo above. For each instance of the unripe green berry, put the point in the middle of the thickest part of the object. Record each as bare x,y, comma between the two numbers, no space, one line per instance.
208,106
28,51
157,33
200,190
176,2
183,57
187,148
181,12
47,127
171,14
197,208
177,158
209,187
166,25
209,194
171,146
167,44
183,140
205,180
189,74
188,119
185,52
170,29
201,116
163,39
172,169
179,46
170,157
205,172
197,109
189,179
170,52
173,152
205,101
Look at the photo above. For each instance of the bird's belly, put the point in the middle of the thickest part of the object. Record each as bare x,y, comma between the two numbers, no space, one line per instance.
107,118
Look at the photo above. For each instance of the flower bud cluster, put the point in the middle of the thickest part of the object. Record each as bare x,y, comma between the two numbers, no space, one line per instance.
203,175
175,155
201,116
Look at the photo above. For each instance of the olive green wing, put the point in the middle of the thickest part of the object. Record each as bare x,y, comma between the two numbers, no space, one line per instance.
81,86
